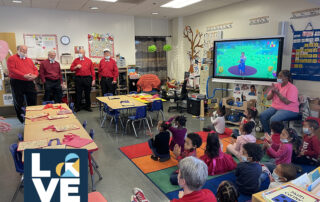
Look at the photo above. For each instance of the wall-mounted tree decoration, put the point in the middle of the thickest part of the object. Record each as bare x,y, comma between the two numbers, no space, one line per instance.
195,42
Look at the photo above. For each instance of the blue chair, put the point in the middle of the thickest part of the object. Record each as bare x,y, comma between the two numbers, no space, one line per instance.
94,163
20,137
23,117
72,107
114,114
84,124
108,94
141,115
156,107
17,159
133,92
47,102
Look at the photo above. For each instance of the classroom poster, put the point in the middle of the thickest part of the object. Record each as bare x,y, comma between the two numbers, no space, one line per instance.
305,58
98,42
40,44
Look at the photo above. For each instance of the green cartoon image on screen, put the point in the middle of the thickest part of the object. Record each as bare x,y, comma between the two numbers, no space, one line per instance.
251,58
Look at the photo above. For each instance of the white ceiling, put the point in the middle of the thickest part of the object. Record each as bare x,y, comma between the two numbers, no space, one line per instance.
142,8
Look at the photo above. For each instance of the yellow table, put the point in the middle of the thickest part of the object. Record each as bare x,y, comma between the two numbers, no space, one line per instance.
50,111
114,102
148,97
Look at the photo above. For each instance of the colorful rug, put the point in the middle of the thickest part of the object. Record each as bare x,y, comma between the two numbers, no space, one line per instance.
159,172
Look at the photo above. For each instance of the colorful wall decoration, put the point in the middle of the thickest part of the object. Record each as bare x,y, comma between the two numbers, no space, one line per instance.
98,42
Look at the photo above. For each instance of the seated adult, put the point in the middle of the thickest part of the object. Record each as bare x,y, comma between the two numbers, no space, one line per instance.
193,174
285,104
148,83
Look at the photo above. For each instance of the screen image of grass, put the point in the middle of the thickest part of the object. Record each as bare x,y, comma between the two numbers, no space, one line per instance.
251,58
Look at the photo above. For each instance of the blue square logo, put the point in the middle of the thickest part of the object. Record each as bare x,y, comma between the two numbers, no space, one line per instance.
57,175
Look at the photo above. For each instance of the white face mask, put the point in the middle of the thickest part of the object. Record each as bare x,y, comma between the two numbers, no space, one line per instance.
244,159
306,131
284,140
80,55
107,57
275,176
279,81
21,55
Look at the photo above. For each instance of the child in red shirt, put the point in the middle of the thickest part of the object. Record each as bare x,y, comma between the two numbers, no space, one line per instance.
276,129
191,143
217,161
310,150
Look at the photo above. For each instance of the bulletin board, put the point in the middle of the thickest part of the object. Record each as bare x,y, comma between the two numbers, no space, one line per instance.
305,58
98,42
40,44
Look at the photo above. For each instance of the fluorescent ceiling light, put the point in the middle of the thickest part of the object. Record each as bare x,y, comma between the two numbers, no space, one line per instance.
107,0
17,1
94,8
180,3
154,13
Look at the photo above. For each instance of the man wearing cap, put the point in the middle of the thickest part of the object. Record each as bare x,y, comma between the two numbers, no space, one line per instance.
22,73
85,78
108,73
51,77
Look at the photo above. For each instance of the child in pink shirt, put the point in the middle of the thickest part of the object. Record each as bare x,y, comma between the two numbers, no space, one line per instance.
246,137
288,139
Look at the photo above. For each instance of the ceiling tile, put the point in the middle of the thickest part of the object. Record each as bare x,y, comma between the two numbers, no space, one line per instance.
25,3
71,4
44,3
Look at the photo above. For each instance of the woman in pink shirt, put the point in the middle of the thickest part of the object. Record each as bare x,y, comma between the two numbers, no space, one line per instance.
285,104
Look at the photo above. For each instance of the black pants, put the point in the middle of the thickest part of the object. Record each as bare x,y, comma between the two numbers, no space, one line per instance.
21,91
53,90
107,86
83,84
305,160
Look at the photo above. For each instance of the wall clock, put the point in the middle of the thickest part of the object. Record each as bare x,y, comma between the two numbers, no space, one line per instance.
65,40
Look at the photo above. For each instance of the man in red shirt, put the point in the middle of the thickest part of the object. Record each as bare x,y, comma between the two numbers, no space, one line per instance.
22,73
193,174
51,77
108,73
85,78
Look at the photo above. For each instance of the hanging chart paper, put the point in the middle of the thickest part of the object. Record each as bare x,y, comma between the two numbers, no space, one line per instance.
40,44
98,42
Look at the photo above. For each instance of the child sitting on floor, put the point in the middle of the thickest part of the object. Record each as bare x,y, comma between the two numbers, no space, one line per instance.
218,124
288,138
217,161
178,131
310,150
281,174
249,115
159,144
191,143
276,129
227,192
249,170
246,137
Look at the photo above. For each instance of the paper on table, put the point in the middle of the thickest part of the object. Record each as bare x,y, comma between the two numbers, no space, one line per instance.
52,117
62,128
37,115
303,181
37,108
32,144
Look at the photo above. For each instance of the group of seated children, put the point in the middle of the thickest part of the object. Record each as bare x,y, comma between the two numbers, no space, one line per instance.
283,146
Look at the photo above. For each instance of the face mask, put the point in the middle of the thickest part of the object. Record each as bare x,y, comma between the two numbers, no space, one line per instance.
275,176
306,131
80,55
51,60
244,158
107,57
279,81
21,55
284,140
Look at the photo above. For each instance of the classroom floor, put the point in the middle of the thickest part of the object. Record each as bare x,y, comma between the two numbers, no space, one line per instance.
119,174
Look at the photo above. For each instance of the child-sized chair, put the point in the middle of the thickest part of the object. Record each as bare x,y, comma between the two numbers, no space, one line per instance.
47,102
20,137
72,107
96,197
156,107
141,115
133,92
94,163
17,159
84,124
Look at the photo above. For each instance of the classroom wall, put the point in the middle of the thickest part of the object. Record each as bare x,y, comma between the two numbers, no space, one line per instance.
77,25
151,26
239,14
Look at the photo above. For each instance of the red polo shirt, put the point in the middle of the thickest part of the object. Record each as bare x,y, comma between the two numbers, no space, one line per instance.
19,67
203,195
108,69
50,71
86,67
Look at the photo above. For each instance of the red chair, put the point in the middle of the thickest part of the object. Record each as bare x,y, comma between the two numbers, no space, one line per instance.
96,197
